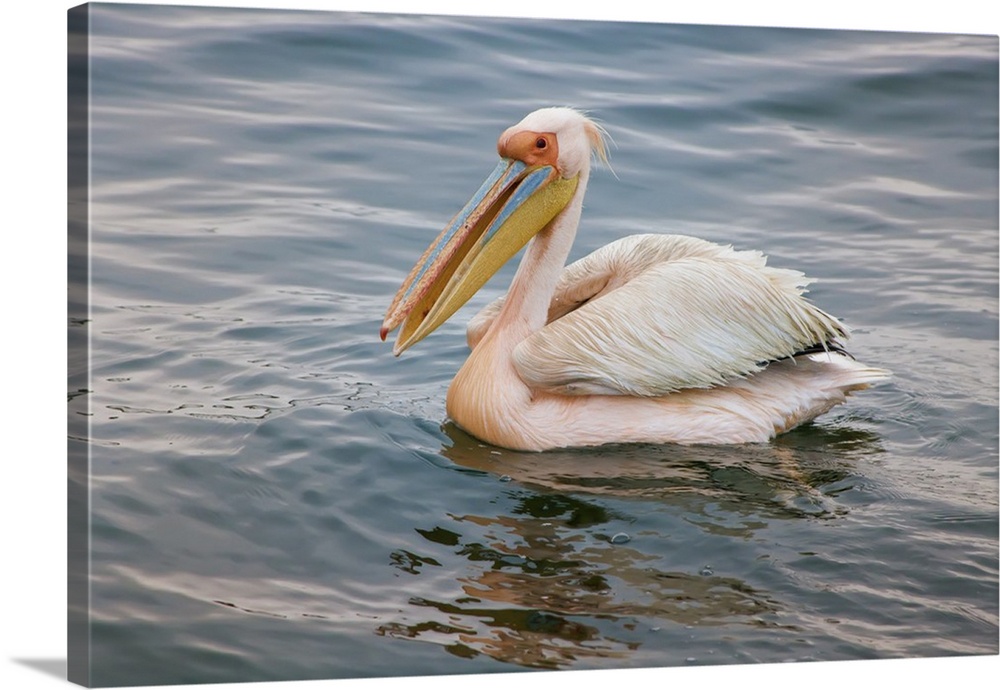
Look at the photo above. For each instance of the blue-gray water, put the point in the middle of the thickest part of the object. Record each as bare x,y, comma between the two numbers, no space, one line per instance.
276,497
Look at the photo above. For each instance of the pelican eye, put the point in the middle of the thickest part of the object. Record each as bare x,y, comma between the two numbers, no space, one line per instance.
540,143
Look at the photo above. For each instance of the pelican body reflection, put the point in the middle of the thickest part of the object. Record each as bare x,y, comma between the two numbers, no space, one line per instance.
541,584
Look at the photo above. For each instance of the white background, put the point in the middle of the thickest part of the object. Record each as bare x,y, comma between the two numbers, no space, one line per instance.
33,328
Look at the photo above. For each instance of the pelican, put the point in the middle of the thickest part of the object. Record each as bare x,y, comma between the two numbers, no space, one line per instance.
652,338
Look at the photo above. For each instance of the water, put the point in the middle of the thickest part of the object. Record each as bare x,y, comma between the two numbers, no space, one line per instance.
274,496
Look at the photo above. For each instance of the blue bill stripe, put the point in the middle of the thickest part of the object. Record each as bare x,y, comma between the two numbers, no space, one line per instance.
532,182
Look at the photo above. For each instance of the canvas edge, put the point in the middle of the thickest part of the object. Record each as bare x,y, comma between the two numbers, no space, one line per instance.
78,643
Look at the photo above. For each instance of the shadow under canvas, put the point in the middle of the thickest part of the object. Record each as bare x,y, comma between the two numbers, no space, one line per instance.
50,667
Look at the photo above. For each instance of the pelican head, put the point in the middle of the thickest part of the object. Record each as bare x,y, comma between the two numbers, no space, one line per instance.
543,161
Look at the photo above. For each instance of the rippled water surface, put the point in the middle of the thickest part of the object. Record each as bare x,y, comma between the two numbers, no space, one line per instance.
275,496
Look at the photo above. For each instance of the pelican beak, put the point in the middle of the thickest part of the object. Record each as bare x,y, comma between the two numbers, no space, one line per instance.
515,202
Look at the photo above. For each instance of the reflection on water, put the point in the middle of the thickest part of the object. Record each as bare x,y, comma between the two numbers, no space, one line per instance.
551,584
782,479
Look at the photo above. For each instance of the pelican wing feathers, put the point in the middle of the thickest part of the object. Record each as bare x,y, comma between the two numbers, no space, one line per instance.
649,315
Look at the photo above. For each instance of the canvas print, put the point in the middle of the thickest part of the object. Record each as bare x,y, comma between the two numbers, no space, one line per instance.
421,345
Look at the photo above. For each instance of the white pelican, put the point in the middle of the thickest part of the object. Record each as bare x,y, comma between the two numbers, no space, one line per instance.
653,338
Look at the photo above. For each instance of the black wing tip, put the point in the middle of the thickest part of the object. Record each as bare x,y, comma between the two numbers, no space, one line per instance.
830,346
